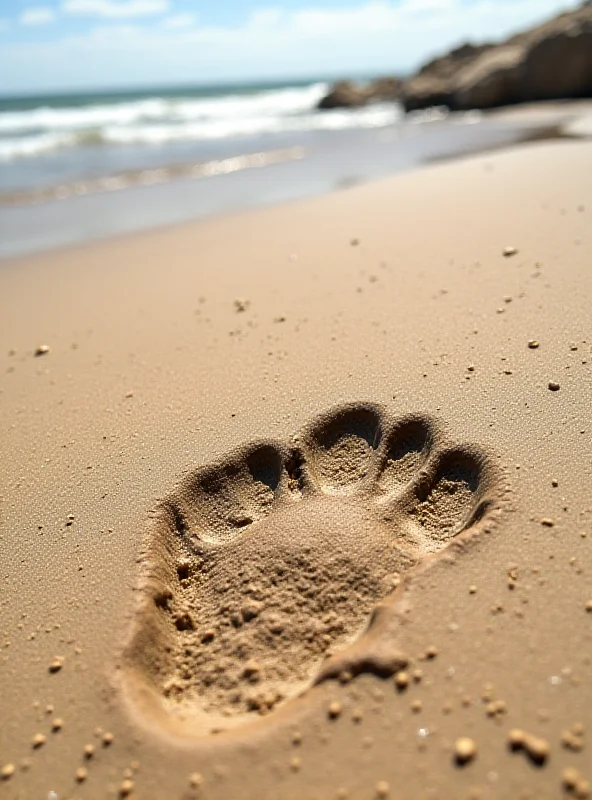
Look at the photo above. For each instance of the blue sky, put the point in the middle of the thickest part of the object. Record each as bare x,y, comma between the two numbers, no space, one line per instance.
83,44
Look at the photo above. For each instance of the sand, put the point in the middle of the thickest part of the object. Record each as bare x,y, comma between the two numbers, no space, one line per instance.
291,508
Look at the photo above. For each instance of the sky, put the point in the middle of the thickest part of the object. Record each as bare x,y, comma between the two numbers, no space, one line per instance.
80,45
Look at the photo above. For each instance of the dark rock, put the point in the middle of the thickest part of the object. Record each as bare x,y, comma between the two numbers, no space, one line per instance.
384,89
489,81
448,65
551,61
346,94
343,94
559,64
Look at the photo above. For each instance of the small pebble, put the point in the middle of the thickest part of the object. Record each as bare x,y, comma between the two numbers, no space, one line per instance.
295,764
553,386
56,664
510,251
42,349
402,680
195,780
570,777
39,740
465,750
126,788
572,741
7,771
81,774
537,750
533,344
431,652
548,522
516,738
89,750
382,789
335,709
589,606
57,724
416,706
108,738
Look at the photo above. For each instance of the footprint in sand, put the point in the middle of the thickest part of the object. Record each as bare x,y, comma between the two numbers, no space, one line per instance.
263,569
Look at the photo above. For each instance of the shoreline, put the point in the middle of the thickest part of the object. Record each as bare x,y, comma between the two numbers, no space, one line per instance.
152,198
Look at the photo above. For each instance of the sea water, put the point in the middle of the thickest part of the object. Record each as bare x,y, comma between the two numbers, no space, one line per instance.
86,166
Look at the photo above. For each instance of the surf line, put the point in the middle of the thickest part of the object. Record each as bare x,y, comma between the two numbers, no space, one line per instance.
152,177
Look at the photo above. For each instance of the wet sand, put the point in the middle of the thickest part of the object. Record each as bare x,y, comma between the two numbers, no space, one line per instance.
245,433
49,214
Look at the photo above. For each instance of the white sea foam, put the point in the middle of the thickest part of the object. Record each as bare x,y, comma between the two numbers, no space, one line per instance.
278,102
46,118
31,146
370,117
156,121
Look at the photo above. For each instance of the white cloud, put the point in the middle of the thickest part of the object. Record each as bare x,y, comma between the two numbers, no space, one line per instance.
376,36
37,15
112,9
179,21
265,17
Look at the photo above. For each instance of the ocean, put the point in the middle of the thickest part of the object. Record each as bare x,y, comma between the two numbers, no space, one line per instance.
56,142
78,167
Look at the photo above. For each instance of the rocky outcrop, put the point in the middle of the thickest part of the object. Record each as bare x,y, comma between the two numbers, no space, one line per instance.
549,62
489,81
346,94
447,66
383,89
552,61
343,94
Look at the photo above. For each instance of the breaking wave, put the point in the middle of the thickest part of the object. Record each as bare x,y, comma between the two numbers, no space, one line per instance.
155,121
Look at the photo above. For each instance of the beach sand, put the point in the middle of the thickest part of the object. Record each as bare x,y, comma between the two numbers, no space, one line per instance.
240,435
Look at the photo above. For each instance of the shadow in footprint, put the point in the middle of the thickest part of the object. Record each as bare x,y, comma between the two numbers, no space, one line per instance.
266,466
342,447
406,450
448,503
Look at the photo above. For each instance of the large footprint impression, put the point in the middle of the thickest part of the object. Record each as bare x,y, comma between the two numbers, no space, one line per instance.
265,567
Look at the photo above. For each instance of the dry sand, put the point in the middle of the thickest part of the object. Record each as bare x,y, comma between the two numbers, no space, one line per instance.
239,436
